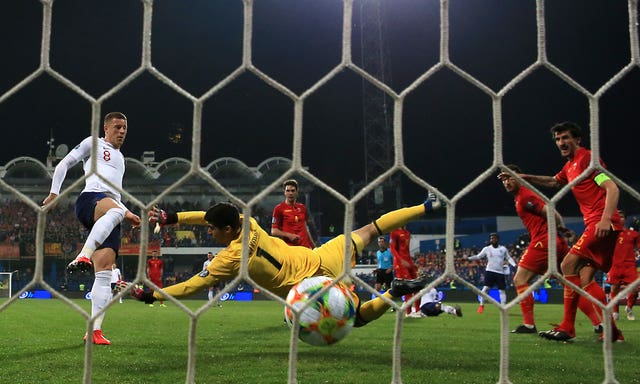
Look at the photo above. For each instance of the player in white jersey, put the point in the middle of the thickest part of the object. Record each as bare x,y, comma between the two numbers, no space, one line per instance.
116,276
99,209
431,305
495,274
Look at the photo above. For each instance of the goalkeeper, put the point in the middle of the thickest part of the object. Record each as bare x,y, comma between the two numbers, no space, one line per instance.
277,266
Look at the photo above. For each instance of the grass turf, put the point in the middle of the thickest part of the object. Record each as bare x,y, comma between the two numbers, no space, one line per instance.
247,342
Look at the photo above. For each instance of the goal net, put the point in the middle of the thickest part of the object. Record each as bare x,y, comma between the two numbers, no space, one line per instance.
300,101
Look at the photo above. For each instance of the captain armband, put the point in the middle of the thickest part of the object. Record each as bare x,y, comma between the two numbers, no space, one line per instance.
601,178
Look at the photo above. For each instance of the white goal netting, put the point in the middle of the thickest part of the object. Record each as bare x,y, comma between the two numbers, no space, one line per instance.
346,64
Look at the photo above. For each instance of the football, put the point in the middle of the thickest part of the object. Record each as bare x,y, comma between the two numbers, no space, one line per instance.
326,320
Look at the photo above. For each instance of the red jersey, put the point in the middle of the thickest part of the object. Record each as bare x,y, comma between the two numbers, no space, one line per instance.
154,268
292,218
590,197
529,208
399,240
626,244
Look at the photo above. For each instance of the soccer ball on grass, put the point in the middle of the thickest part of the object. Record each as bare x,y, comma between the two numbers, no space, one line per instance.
326,320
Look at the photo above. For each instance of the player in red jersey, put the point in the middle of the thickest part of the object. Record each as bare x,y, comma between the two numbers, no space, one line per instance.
154,271
403,265
597,195
623,271
289,220
532,210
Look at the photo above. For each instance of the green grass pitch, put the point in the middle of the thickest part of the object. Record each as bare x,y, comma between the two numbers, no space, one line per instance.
247,342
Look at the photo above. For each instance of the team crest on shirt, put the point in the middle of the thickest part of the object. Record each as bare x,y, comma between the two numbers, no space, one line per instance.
204,273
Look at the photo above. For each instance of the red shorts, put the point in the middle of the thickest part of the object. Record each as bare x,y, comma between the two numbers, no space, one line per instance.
405,273
536,257
597,250
157,280
625,273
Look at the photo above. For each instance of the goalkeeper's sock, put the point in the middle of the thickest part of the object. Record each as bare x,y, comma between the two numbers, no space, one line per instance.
100,296
398,218
374,308
101,230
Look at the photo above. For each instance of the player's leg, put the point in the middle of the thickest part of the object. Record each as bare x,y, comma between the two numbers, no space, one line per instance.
395,219
101,291
101,215
521,281
452,310
615,289
485,289
631,300
158,281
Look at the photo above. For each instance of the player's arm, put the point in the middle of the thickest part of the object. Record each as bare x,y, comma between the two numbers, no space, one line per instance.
215,272
610,204
478,256
545,181
162,218
510,259
284,235
72,158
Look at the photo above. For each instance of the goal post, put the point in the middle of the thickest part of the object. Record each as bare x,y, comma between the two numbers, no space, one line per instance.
5,285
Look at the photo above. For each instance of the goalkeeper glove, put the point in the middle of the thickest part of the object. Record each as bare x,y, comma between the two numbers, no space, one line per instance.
142,295
432,203
160,217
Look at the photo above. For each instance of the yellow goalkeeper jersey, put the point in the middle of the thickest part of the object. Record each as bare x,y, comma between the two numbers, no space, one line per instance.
273,264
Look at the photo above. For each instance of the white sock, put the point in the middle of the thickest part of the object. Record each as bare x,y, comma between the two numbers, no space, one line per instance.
101,230
100,296
210,295
448,309
503,296
484,290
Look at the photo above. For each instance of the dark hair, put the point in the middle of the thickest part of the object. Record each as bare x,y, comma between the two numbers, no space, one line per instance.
222,214
114,115
513,167
573,129
494,234
291,182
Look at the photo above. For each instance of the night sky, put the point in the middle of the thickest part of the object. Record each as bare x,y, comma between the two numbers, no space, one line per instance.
447,122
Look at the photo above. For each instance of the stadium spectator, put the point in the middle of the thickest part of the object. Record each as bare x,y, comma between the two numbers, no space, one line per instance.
277,266
623,269
155,267
384,272
534,261
290,219
403,265
99,209
496,255
597,195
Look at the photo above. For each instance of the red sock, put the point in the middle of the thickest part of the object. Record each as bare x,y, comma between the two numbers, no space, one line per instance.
526,305
407,298
596,291
571,299
631,299
416,305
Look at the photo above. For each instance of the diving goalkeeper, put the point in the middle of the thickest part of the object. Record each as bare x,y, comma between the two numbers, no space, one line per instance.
277,266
